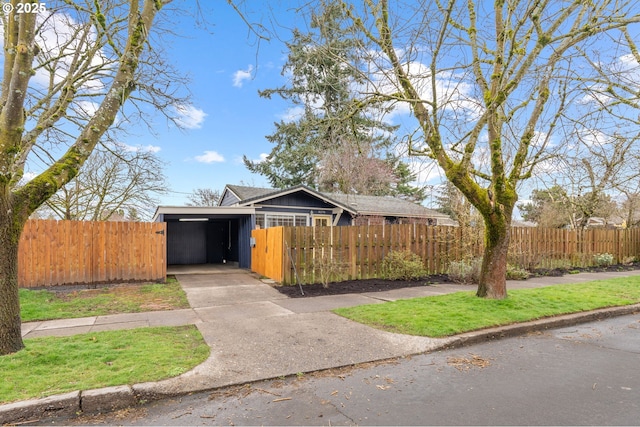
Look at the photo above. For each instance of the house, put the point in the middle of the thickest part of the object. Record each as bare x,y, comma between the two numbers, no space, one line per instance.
220,234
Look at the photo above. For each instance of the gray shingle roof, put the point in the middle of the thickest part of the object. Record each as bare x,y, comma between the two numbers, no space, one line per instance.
364,205
383,205
245,193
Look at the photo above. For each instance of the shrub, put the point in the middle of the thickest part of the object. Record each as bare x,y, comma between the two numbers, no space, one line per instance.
603,260
465,271
328,267
516,273
402,265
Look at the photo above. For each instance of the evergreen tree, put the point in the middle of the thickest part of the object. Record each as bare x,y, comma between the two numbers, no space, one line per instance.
335,143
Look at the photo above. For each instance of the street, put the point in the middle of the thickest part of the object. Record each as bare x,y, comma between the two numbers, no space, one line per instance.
581,375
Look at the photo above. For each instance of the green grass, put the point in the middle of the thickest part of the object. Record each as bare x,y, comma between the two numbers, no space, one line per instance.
54,365
49,305
451,314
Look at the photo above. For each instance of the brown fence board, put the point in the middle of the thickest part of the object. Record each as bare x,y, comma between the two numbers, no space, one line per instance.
54,253
361,249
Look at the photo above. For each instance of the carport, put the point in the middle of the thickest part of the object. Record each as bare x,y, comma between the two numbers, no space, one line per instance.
207,235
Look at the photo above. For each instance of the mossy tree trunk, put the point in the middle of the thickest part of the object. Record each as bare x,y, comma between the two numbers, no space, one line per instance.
17,201
493,283
10,323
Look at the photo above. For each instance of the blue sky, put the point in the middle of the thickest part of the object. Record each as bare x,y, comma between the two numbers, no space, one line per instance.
227,68
229,120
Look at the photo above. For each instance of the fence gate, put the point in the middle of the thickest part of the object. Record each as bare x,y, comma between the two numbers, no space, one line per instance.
267,253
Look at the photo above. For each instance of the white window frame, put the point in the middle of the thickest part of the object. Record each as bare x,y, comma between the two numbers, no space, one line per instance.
276,219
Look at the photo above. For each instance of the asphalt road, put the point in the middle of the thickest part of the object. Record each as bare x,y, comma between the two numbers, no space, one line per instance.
581,375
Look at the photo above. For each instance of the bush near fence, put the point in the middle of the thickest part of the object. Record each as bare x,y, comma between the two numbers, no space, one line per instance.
292,250
55,253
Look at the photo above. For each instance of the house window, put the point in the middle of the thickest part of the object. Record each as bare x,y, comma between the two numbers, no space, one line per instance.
277,220
259,221
280,220
321,220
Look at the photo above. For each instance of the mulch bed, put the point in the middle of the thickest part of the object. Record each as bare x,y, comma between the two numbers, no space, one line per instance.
359,286
380,285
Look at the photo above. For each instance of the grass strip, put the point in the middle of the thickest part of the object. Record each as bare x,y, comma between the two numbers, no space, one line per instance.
50,305
54,365
451,314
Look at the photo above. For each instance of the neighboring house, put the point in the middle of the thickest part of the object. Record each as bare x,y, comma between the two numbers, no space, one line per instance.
610,223
520,223
202,235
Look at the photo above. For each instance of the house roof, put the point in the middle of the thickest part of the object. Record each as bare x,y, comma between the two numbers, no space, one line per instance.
383,206
245,193
355,203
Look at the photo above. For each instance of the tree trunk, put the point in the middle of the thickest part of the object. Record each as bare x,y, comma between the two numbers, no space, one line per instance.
10,322
493,275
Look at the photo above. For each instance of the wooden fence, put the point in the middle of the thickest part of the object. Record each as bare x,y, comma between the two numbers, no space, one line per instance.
54,253
282,252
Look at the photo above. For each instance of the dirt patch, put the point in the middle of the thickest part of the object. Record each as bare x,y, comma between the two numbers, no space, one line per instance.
464,364
129,291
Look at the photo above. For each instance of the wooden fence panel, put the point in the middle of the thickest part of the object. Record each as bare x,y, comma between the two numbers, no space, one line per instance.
361,249
268,253
55,253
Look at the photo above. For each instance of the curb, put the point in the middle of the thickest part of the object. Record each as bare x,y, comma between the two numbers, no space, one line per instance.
119,397
524,328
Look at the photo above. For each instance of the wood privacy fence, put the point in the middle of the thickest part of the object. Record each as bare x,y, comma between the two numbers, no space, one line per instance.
357,251
54,253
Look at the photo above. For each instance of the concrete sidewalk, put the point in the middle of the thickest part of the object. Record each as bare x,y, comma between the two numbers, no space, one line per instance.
256,333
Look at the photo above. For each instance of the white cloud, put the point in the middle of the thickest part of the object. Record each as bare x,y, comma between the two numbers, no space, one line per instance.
189,117
261,158
292,114
86,109
453,93
60,36
137,148
241,75
209,157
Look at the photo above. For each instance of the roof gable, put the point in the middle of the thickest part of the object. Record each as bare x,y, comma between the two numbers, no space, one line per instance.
255,195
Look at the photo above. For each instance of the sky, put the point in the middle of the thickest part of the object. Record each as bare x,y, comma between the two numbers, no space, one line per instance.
227,118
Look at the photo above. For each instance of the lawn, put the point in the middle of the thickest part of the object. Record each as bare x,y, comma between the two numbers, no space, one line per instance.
49,304
445,315
54,365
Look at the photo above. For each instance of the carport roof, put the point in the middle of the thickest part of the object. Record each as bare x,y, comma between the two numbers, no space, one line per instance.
204,211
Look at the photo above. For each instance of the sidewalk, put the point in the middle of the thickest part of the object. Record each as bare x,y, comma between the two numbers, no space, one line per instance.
256,333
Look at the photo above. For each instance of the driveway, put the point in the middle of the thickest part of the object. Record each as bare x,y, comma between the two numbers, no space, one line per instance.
255,332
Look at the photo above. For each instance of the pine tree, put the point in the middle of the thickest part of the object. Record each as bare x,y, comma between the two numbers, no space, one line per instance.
335,143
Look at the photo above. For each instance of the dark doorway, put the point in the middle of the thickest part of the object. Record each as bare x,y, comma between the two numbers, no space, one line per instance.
217,241
202,242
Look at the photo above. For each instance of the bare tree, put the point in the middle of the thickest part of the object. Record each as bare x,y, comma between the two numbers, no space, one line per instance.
67,73
204,197
485,81
114,180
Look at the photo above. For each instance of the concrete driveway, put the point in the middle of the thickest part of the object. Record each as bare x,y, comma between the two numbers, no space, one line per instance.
255,332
